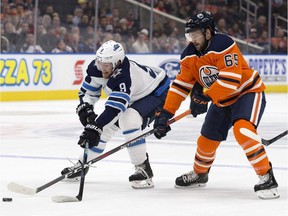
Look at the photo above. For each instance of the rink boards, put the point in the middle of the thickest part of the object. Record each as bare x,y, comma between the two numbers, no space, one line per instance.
59,76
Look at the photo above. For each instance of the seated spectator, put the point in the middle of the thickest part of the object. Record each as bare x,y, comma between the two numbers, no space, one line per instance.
140,45
263,41
48,40
77,16
10,34
28,46
62,47
109,28
253,36
222,27
281,39
236,31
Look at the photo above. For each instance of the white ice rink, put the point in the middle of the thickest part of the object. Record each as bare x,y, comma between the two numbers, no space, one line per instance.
38,137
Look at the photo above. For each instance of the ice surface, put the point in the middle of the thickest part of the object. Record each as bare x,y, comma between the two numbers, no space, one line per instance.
37,138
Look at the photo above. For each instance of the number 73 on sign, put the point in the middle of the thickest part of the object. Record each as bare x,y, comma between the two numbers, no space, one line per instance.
16,72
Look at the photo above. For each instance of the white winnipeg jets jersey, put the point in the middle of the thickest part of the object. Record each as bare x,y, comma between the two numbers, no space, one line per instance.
128,83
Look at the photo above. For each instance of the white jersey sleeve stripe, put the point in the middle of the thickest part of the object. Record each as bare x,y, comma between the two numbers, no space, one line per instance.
226,85
178,92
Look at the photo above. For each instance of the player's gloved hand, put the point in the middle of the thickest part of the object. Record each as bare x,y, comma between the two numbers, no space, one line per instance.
199,103
86,113
160,123
91,134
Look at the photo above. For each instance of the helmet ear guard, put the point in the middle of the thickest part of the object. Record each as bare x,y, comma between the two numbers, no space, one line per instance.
110,52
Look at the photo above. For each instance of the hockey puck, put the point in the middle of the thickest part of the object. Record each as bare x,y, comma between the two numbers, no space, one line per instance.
7,199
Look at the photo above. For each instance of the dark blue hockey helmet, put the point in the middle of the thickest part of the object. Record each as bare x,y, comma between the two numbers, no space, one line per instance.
201,21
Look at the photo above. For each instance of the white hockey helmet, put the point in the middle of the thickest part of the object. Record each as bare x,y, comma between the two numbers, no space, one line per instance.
110,52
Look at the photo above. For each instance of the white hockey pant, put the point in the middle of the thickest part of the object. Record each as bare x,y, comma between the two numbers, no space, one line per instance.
130,123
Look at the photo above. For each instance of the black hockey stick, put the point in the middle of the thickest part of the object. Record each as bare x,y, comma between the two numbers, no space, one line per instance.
270,141
78,198
17,188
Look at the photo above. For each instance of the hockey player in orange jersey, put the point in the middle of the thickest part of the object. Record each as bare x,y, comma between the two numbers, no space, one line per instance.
213,61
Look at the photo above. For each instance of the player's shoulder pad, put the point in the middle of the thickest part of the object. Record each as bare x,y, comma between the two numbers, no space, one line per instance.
92,70
220,42
189,50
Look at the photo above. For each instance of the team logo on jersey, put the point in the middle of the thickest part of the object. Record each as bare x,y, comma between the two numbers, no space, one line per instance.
116,72
208,75
172,67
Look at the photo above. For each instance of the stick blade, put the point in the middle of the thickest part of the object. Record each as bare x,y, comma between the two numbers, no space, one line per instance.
17,188
65,199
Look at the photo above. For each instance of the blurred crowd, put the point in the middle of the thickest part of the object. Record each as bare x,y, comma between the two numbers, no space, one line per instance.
73,31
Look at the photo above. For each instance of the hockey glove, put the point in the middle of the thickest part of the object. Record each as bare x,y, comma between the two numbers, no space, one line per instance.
160,124
199,103
91,134
86,113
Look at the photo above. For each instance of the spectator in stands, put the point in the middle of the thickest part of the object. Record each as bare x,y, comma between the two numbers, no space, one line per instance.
49,39
78,13
41,38
140,45
106,37
62,47
62,32
160,6
122,28
274,46
103,22
170,28
46,20
263,41
109,28
253,36
20,10
49,11
22,34
28,46
261,25
75,42
68,22
10,34
115,17
253,39
56,24
84,23
281,39
132,22
236,31
28,5
88,44
90,9
221,25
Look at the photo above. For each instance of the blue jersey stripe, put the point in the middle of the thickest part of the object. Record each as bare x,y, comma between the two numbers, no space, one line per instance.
116,105
89,87
120,95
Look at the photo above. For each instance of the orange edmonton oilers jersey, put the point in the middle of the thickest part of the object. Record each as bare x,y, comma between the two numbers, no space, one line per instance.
222,70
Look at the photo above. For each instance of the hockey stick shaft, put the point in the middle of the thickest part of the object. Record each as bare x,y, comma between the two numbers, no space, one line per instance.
270,141
124,145
28,191
83,171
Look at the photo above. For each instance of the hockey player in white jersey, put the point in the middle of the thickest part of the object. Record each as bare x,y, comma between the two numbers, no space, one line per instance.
135,92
